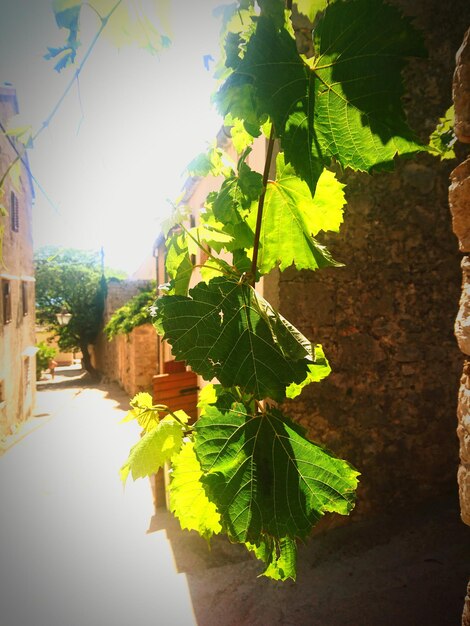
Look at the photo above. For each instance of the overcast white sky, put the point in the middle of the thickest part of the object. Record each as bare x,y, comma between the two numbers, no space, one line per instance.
117,149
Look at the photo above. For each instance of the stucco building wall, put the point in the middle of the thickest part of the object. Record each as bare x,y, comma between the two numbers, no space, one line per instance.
17,319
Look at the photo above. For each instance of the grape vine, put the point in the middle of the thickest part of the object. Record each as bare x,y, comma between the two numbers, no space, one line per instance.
245,468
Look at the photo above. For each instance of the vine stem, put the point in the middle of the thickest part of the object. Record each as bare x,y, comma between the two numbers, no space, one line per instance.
47,121
259,218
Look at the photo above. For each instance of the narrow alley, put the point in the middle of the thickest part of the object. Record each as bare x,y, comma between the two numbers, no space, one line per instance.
78,550
73,544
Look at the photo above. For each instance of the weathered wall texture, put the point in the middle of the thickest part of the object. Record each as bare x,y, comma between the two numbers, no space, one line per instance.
459,202
17,340
386,318
130,360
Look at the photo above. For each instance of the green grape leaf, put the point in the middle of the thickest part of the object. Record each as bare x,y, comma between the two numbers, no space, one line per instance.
311,8
265,477
146,26
212,162
181,213
178,263
290,218
237,194
316,372
274,9
241,139
143,411
188,500
442,139
279,556
225,330
155,448
210,234
345,102
216,267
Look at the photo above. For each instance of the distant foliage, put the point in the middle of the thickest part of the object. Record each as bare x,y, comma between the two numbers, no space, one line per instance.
135,312
44,354
74,281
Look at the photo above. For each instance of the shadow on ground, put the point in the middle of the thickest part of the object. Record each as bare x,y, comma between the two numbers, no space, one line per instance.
410,568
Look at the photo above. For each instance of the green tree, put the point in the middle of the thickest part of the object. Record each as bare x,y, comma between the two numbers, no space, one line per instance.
71,280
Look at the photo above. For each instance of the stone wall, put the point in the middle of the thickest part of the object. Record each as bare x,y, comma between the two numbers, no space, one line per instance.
459,201
386,318
130,360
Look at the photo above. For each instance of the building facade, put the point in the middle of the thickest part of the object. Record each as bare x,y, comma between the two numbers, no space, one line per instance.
17,297
130,360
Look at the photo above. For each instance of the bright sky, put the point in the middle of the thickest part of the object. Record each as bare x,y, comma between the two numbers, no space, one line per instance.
117,149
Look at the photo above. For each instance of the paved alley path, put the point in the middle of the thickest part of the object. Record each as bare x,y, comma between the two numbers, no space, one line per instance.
73,545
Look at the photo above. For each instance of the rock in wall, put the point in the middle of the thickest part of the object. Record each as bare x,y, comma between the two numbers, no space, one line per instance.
459,202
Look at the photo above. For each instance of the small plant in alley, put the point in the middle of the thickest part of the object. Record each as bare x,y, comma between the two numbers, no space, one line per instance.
44,354
245,468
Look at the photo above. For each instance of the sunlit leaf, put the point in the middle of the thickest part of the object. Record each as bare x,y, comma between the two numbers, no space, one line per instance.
316,372
188,500
145,25
241,139
237,194
311,8
143,411
214,162
265,477
278,555
442,139
334,105
291,216
178,263
155,448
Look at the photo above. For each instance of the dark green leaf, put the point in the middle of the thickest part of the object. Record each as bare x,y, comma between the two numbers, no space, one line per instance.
279,556
226,330
265,477
345,103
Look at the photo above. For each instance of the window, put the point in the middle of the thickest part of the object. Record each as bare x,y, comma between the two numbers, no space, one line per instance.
6,301
24,297
14,213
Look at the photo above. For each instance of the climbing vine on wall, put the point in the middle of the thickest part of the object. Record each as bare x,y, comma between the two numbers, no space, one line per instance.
244,467
135,312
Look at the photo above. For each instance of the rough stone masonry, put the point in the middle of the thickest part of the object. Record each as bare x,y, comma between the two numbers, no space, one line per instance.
459,201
